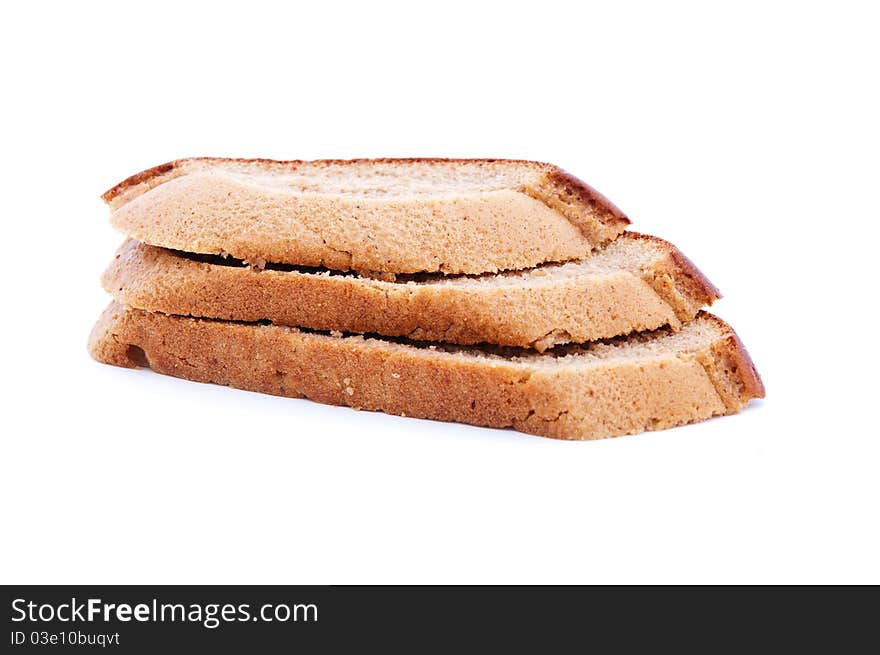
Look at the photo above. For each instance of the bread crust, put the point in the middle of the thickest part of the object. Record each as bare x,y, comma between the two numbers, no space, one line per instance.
555,217
560,400
534,313
733,371
678,280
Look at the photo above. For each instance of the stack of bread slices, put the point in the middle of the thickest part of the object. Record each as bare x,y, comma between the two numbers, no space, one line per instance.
492,292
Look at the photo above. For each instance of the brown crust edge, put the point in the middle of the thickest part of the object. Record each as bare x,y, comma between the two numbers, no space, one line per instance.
161,170
678,280
609,214
696,282
745,376
140,178
103,345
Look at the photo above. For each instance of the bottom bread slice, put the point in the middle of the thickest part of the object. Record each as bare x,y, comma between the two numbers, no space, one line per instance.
647,381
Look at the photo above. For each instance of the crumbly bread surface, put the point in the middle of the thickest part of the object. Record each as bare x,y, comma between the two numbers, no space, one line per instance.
381,215
635,283
647,381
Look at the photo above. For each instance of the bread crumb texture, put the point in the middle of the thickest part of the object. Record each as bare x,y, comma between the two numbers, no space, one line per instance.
634,283
626,385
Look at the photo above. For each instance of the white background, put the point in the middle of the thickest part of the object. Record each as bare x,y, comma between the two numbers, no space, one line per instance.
747,136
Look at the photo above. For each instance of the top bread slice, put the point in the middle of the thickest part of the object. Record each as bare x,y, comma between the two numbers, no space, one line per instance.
455,216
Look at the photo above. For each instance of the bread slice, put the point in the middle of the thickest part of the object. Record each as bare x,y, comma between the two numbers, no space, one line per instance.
642,382
635,283
383,215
